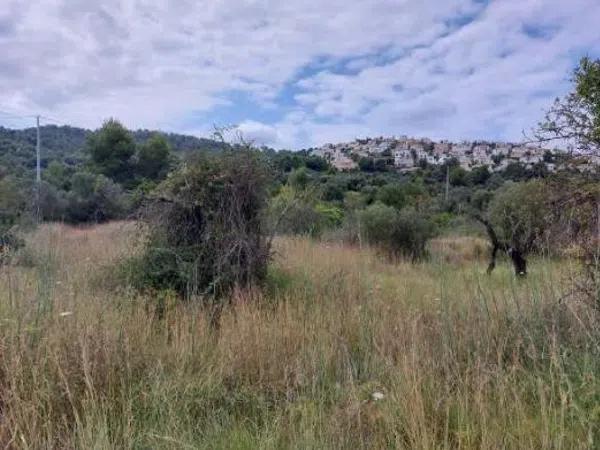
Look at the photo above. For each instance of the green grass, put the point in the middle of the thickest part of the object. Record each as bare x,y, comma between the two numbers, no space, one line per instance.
463,360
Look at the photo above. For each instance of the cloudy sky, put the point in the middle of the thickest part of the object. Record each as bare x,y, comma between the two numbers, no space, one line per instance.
294,73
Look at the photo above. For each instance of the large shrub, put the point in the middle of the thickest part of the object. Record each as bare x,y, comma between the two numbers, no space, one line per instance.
301,212
399,233
205,226
92,198
12,205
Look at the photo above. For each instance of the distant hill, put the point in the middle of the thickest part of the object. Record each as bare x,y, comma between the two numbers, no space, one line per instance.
407,154
67,144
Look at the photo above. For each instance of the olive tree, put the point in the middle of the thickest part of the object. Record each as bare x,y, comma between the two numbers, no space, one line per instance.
517,222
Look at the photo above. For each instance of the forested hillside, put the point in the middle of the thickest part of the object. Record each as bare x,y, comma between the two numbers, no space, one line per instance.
66,144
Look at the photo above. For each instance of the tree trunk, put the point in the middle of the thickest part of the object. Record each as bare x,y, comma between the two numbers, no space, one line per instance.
496,244
519,262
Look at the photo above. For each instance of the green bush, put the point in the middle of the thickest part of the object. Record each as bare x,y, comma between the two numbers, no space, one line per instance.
94,198
53,202
392,195
206,230
398,233
293,212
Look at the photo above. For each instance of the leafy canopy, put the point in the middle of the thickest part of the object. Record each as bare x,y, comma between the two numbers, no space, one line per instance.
154,158
575,119
111,150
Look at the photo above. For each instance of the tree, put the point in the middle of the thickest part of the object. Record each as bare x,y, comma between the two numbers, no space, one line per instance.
458,176
58,175
392,195
518,219
575,119
206,232
479,175
111,149
286,160
366,164
317,163
333,190
12,203
154,158
515,171
575,223
299,179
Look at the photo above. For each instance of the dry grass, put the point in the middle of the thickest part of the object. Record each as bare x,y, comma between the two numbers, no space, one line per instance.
462,360
458,250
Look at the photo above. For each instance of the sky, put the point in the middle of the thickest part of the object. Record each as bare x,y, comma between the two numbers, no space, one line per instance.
295,73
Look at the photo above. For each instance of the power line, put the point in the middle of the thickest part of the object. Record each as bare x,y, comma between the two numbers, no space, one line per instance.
32,116
17,115
51,119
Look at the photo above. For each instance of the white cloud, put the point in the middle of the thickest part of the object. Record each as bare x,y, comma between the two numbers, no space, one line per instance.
410,68
259,133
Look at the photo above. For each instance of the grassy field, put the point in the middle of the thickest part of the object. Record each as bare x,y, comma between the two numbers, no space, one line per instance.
342,349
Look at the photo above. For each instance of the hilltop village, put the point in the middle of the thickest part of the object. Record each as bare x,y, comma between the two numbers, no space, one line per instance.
407,154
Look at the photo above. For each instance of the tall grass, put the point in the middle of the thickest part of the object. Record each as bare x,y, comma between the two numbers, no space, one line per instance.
340,350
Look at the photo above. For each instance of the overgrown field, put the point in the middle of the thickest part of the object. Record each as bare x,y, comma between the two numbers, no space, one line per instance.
342,349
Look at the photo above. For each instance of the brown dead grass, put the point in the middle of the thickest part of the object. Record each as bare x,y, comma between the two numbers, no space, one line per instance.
459,249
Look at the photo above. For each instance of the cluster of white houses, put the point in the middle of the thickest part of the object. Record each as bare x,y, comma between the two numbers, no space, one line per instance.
408,154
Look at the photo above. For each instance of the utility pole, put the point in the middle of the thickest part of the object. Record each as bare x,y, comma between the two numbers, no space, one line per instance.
38,169
447,182
38,173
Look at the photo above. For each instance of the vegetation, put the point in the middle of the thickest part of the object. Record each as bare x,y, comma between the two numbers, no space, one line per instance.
261,299
205,227
342,349
576,118
519,220
399,233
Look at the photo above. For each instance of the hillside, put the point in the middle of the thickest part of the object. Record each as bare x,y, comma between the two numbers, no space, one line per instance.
406,154
67,144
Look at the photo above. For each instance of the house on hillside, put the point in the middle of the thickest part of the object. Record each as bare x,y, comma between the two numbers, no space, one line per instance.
403,159
343,163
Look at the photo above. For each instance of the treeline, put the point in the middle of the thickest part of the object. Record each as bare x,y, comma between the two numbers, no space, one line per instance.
67,145
109,178
112,173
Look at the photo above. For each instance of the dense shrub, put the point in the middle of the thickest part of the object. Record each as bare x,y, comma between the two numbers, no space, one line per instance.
398,233
301,212
317,163
12,202
299,179
205,227
392,195
94,198
53,202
